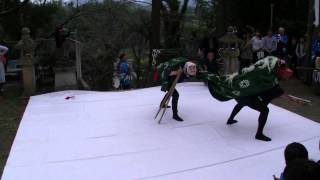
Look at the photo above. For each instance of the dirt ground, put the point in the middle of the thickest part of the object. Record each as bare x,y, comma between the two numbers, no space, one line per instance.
297,88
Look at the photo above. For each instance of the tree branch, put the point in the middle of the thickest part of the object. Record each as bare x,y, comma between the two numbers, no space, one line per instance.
8,11
137,1
44,2
184,7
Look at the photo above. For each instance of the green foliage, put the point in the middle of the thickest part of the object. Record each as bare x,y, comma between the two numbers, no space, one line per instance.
39,18
98,70
105,29
205,10
291,14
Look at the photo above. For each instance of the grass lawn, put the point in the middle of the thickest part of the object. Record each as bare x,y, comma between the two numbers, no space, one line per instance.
12,105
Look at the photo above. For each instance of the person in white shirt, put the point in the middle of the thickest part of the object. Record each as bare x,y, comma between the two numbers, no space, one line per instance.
257,47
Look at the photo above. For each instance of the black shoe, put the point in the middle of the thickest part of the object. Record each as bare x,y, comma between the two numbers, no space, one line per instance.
262,137
167,106
231,121
177,118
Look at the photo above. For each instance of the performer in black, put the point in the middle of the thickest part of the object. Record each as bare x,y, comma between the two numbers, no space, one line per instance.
185,69
260,103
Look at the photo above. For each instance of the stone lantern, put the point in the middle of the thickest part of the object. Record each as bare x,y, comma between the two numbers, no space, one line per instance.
26,46
229,51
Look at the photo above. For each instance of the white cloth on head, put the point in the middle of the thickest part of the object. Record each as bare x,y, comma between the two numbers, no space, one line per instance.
187,65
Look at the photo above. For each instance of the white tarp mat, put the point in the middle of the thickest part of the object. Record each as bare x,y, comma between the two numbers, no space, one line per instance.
112,135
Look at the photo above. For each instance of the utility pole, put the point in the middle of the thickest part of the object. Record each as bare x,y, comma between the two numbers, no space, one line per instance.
271,15
310,31
308,74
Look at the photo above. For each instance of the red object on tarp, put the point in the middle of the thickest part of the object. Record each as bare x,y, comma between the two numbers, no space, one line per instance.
69,97
284,73
155,75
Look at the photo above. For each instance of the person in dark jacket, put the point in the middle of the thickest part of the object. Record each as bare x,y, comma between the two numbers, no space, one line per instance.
211,64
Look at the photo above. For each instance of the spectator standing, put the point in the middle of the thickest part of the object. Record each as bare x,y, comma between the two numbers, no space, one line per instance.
315,48
211,64
257,46
301,53
125,79
201,58
282,44
269,44
246,51
3,51
292,58
124,71
281,36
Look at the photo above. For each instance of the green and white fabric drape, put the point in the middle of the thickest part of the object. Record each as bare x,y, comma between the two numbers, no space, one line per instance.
164,70
257,78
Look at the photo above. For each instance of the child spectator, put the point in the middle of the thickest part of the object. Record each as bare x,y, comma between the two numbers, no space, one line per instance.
292,152
300,169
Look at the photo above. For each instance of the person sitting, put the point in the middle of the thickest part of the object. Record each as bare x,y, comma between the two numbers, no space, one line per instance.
294,151
302,169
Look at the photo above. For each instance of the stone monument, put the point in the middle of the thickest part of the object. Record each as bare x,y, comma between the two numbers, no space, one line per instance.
65,70
26,46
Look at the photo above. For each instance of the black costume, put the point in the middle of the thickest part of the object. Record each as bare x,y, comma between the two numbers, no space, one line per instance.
175,95
260,103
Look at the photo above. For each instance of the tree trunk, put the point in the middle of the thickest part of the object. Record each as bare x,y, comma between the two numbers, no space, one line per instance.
172,20
137,57
172,30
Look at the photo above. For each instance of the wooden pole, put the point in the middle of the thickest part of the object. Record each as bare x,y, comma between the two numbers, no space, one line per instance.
309,32
307,77
271,15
